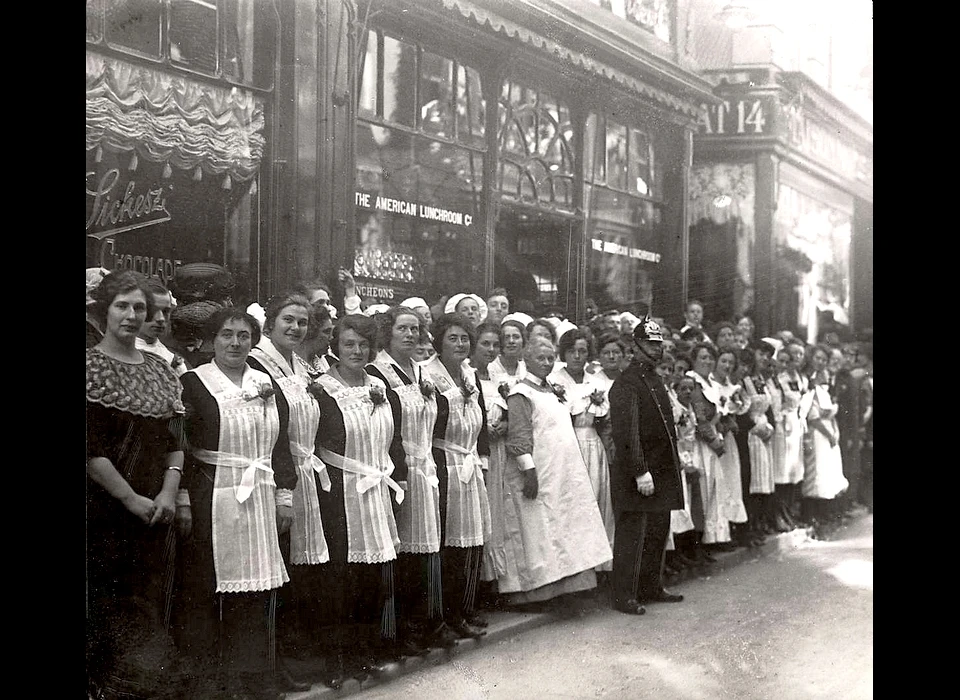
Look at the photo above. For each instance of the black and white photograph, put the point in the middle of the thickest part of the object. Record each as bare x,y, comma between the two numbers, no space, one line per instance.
479,349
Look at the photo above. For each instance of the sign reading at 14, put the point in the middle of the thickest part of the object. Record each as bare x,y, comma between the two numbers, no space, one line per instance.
742,117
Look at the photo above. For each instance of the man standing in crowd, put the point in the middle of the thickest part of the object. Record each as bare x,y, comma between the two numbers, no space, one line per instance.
854,407
148,339
498,305
694,318
644,476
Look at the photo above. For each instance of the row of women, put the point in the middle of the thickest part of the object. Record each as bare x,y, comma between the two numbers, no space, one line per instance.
255,508
757,433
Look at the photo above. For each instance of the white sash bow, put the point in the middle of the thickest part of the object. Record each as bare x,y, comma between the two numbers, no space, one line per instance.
304,453
471,465
235,461
370,476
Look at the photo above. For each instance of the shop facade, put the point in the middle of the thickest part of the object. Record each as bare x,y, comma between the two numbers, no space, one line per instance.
429,146
781,206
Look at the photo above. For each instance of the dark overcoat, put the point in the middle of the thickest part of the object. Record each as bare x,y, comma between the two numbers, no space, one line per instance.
645,440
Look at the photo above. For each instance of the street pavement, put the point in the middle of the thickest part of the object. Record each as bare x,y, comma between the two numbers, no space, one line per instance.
792,620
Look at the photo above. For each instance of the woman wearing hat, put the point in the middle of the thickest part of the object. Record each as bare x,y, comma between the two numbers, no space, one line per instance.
469,305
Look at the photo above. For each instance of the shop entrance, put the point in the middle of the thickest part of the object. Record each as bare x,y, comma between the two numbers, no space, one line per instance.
534,260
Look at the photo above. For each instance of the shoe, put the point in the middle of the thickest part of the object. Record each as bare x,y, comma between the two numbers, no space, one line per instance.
662,596
466,630
443,637
631,607
685,561
411,647
707,556
477,620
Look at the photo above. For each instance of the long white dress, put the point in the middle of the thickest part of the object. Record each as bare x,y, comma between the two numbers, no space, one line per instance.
824,477
732,403
584,411
558,536
761,453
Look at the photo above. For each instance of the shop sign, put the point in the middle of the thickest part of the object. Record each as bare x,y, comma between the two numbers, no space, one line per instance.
413,208
113,258
376,291
748,116
626,251
826,146
113,210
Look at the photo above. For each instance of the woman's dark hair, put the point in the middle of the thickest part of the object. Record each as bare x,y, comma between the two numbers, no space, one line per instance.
546,324
319,314
608,338
442,324
764,346
693,335
156,286
485,327
279,303
499,292
115,284
388,319
516,324
730,351
720,325
569,339
748,359
364,326
222,316
695,350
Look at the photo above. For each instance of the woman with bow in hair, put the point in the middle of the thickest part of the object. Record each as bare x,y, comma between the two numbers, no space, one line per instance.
461,450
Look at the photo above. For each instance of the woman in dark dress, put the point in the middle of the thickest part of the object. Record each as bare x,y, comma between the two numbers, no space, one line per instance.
134,465
358,441
240,476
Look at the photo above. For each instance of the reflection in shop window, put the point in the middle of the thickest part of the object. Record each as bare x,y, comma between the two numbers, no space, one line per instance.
193,34
135,25
94,20
399,75
536,147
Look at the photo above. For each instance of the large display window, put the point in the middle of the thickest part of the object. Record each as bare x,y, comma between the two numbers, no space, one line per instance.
420,152
623,193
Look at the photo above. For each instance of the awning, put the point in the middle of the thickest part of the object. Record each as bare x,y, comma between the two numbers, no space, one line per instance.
492,21
169,118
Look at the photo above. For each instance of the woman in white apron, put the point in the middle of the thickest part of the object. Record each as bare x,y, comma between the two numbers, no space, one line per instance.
732,404
240,475
824,479
305,548
760,391
419,611
555,536
358,441
588,406
790,469
711,445
461,451
494,391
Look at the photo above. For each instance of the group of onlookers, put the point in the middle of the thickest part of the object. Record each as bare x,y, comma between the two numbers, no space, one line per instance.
274,483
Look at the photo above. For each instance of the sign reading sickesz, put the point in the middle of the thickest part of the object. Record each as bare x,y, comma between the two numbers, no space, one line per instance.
411,208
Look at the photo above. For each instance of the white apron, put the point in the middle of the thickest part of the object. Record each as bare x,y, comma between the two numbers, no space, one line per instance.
246,548
716,525
583,411
790,470
761,453
418,523
307,542
468,507
367,469
494,562
559,533
825,477
681,520
730,484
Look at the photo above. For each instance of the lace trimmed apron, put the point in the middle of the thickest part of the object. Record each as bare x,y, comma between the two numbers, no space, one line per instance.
246,548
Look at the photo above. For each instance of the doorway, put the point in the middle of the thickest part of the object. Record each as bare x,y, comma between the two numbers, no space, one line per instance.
534,260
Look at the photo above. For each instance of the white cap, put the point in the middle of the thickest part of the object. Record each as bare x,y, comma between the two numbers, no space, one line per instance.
564,327
630,318
374,309
414,303
518,316
451,306
258,313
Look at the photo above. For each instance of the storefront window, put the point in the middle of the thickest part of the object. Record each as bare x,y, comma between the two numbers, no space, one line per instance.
813,245
536,148
193,34
135,25
623,223
419,173
94,20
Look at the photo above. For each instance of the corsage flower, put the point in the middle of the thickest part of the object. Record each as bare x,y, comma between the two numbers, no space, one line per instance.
264,391
504,390
427,389
467,390
177,361
377,396
597,397
558,391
